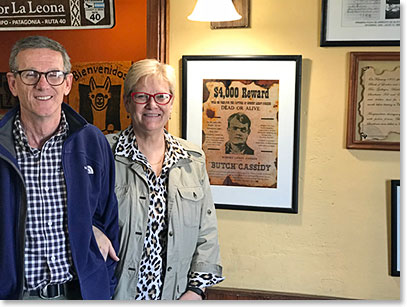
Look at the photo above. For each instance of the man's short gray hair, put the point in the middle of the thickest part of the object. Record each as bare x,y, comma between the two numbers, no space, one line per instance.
37,42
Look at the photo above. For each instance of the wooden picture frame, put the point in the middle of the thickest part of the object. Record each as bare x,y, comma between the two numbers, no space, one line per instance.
374,101
263,176
243,8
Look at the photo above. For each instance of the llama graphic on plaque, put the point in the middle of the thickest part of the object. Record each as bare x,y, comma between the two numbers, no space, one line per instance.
100,104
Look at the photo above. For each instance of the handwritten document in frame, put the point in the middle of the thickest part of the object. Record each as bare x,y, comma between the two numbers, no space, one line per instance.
374,101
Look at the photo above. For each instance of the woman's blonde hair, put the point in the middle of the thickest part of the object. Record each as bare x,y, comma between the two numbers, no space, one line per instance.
147,68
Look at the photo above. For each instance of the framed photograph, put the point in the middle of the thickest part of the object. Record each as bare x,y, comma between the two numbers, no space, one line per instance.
395,228
374,101
360,23
244,112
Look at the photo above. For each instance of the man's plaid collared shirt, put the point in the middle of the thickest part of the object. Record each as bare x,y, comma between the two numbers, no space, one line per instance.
47,252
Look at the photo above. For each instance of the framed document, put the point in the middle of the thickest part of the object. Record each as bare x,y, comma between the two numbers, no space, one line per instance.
395,228
374,101
244,112
360,23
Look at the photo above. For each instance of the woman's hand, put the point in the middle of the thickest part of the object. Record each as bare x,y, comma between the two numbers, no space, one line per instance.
104,244
190,296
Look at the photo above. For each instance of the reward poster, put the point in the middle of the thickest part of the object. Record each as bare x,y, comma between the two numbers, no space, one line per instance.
240,132
97,92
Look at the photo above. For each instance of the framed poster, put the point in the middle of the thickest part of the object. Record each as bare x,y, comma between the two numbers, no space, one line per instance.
395,228
374,101
244,112
97,94
360,23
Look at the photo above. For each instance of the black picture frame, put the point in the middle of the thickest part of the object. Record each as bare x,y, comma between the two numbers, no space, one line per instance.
286,69
395,228
334,34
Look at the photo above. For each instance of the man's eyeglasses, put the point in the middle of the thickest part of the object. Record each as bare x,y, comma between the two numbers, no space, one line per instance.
31,77
143,98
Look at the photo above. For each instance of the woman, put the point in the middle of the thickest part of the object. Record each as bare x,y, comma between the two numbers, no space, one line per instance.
168,230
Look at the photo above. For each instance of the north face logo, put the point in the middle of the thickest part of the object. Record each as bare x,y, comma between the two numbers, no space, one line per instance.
89,169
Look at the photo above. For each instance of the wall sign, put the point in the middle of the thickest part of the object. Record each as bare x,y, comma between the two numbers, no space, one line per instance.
56,14
97,94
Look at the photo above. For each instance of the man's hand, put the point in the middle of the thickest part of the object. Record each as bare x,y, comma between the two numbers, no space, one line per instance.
104,244
190,296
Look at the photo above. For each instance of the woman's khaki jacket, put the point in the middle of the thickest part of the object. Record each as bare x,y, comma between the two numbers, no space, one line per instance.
192,239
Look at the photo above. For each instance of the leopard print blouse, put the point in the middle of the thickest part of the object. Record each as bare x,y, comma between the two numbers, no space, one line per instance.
152,265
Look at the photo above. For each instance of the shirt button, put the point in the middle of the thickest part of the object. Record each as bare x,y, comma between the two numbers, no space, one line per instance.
170,233
52,258
169,269
209,211
46,189
49,223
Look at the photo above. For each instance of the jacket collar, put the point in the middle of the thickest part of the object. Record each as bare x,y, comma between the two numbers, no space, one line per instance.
74,120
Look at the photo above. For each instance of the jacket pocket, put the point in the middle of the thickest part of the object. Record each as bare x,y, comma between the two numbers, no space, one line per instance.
123,201
191,199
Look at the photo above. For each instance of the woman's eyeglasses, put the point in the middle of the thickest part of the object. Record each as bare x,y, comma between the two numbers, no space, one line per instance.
143,98
31,77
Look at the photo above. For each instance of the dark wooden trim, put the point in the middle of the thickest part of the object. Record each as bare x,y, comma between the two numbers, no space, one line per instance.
157,29
221,293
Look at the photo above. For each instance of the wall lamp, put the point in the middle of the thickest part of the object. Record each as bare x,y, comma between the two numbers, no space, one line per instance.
214,10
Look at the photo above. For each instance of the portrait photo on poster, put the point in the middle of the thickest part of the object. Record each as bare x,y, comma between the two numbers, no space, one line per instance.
244,113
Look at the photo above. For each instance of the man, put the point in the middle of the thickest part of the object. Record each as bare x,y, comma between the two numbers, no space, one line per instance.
57,182
238,130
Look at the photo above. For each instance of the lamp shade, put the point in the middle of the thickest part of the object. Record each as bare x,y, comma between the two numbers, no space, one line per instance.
214,10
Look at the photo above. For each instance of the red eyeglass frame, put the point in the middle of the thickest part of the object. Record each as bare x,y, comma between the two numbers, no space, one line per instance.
151,95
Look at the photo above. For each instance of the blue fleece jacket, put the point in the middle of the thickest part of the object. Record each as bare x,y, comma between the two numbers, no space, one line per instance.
89,174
